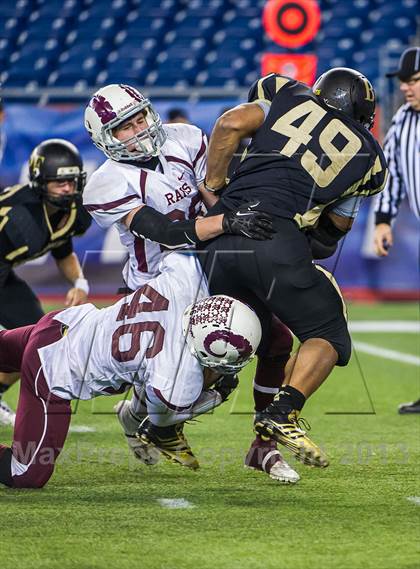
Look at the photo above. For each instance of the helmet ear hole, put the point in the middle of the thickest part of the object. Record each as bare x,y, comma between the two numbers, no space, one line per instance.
222,332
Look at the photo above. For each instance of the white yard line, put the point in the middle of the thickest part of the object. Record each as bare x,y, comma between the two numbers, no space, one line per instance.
387,354
414,499
387,326
176,503
81,429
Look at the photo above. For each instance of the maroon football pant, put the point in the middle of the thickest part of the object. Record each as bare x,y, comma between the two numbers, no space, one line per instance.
42,419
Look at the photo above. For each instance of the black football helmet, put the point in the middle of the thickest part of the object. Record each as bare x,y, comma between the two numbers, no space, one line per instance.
56,159
348,91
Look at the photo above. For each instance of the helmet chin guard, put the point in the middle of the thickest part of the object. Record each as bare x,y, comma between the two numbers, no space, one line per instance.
109,108
222,333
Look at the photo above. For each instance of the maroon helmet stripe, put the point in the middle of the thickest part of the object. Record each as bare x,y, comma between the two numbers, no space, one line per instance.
110,205
200,152
180,160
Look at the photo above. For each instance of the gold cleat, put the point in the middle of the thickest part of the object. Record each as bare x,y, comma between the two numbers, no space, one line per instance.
170,441
285,429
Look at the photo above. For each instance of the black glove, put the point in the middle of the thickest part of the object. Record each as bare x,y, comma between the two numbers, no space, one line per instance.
247,222
225,385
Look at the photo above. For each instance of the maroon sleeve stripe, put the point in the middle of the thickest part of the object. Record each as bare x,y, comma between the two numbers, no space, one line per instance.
110,205
180,160
170,406
143,177
201,151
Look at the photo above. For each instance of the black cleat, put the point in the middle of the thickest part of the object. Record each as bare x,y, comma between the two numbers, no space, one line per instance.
408,408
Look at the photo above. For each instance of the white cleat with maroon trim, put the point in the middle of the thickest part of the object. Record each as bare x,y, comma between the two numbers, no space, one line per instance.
147,454
7,416
264,456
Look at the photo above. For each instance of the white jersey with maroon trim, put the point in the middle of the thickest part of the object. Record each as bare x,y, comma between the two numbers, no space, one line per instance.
116,188
137,341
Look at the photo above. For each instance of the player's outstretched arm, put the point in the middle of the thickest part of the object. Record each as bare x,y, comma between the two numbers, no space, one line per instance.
149,223
230,128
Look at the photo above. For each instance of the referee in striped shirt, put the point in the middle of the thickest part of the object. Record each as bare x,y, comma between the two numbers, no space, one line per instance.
402,151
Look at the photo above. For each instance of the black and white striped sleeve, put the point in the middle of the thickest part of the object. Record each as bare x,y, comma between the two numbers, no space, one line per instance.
388,201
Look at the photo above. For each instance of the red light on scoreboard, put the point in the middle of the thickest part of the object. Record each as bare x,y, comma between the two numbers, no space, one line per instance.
300,67
291,23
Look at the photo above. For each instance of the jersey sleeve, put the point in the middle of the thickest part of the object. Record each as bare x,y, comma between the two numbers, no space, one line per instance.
62,251
108,197
388,202
348,207
265,89
200,159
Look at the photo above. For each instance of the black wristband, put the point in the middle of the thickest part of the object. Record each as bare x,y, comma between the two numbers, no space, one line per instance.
383,218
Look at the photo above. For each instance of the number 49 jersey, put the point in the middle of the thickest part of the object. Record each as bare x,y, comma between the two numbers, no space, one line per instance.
305,155
116,188
137,341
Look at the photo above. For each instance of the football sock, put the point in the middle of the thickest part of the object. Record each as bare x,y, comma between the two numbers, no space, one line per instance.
268,379
269,375
289,398
6,466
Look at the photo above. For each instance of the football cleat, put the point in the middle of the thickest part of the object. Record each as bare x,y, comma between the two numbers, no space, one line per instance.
145,453
264,456
407,408
7,416
285,429
170,441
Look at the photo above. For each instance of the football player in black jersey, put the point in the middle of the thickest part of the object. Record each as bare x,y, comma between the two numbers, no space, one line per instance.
310,161
35,218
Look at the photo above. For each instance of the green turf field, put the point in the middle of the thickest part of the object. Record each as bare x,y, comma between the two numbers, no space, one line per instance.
102,510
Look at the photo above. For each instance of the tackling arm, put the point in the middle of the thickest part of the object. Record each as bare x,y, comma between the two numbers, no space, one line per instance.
146,222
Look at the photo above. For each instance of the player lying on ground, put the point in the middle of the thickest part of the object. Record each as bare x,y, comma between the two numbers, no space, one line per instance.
154,169
83,352
43,215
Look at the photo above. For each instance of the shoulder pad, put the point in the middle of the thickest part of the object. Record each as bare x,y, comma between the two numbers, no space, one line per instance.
266,88
17,194
23,229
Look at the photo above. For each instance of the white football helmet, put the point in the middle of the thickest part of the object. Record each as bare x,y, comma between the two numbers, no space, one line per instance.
112,105
221,332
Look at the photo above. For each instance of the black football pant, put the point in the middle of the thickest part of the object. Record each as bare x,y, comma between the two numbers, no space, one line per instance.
19,306
279,277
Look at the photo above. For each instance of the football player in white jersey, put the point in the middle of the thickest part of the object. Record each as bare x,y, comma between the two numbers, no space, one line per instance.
84,352
154,169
